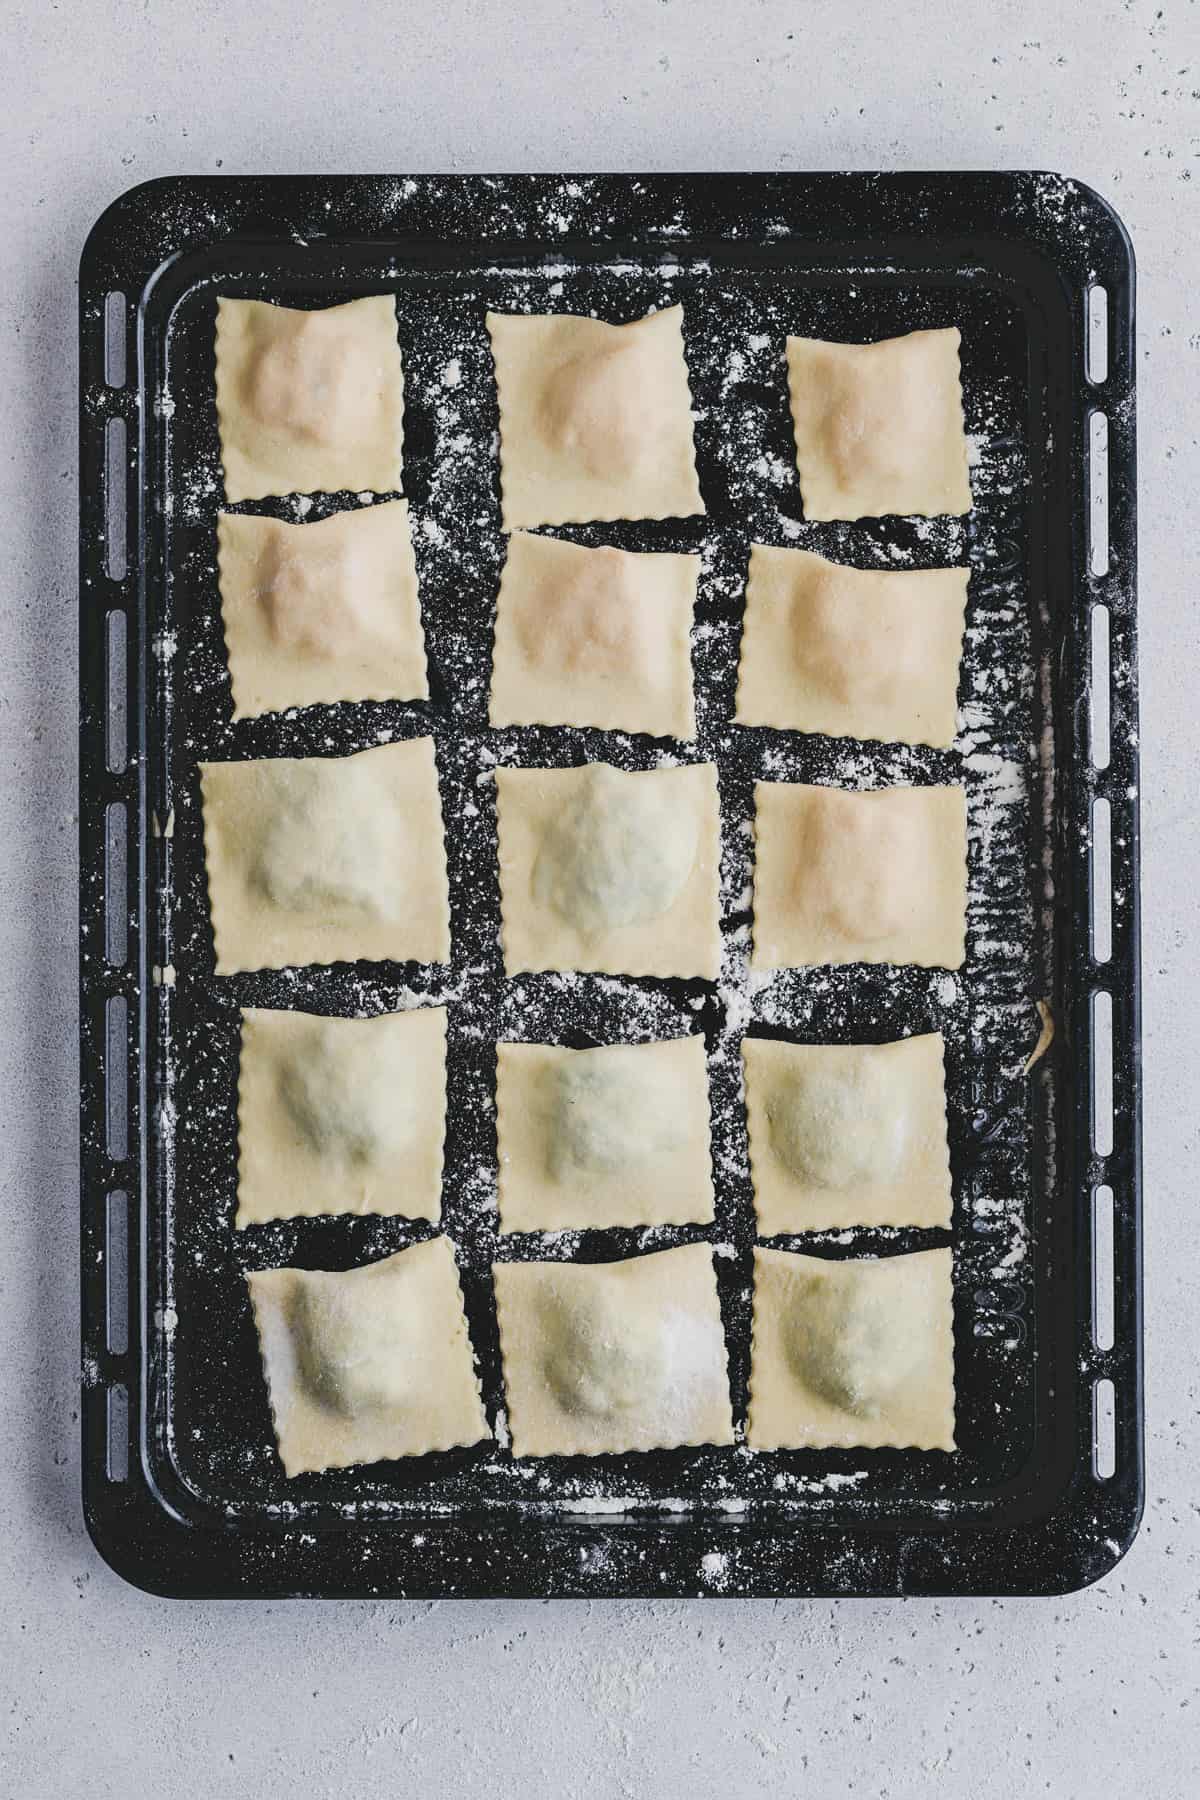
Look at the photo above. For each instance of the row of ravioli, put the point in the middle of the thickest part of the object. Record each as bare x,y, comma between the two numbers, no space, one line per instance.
317,614
375,1363
344,1116
316,860
596,419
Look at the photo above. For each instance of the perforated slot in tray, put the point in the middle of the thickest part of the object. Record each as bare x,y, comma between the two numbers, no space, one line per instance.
747,260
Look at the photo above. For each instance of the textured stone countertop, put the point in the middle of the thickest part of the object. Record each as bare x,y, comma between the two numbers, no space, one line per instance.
108,1692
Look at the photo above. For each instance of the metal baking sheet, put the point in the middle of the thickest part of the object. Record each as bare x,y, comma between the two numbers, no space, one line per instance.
183,1490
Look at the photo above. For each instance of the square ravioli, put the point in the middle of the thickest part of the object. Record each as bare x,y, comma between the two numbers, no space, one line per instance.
845,877
324,859
858,653
616,1135
595,419
879,427
847,1134
364,1365
601,1358
852,1355
594,637
314,614
605,870
341,1115
309,401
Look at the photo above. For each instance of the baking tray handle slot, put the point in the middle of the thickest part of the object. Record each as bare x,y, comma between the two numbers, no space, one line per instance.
1096,334
1102,1072
116,1460
116,885
1097,482
1104,1429
116,317
1103,1269
116,1272
1100,708
1101,871
116,694
116,1077
116,476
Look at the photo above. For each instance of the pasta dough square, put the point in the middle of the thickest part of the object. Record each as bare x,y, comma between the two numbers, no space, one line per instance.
594,637
324,859
852,1355
617,1135
595,419
309,401
600,1358
846,877
364,1365
341,1115
847,1134
606,870
862,653
314,614
879,427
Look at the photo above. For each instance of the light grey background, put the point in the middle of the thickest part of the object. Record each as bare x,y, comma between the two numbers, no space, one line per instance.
104,1688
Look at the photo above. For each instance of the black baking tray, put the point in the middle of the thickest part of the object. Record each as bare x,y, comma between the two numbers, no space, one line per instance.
182,1490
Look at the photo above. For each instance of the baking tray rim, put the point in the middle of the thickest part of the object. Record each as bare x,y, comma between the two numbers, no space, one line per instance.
679,249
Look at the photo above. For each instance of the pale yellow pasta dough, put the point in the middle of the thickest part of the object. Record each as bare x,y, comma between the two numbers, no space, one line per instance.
607,1357
846,877
594,637
852,1354
847,1134
341,1115
595,419
309,401
363,1365
616,1135
879,427
326,859
314,614
604,869
862,653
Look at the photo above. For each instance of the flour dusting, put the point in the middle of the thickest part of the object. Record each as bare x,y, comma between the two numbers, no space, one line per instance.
735,326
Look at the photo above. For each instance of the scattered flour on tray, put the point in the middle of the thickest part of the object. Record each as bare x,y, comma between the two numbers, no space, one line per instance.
743,435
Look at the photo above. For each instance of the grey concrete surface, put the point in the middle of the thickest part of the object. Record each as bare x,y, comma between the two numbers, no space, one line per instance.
104,1691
